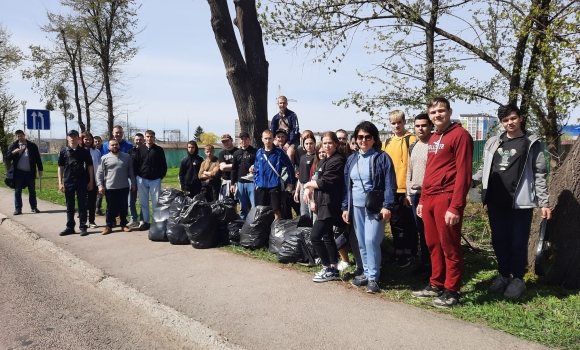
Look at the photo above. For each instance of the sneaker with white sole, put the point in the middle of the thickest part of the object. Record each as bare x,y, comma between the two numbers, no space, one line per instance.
372,287
428,292
343,265
92,225
515,289
327,274
447,300
500,284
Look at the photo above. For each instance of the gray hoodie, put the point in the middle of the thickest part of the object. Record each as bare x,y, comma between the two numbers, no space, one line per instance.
532,187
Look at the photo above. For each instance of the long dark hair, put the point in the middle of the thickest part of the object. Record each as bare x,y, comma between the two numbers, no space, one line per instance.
82,140
371,129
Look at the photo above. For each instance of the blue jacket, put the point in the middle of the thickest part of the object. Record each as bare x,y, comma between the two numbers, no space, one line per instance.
124,147
383,178
264,176
293,128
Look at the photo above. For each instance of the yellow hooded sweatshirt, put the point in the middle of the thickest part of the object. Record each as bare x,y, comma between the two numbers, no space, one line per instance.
396,148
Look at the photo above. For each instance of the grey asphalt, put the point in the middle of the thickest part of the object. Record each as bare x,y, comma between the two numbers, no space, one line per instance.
256,304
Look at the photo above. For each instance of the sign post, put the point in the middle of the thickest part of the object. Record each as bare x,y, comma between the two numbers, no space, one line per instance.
38,119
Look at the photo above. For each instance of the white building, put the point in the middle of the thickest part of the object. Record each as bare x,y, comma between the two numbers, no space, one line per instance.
478,125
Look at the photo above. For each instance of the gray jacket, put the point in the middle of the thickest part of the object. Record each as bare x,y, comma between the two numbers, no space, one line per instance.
115,171
532,187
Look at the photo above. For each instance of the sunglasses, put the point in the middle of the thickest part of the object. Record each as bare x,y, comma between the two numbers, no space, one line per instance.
364,137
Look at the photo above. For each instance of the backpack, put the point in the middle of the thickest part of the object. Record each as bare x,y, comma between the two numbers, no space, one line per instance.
407,138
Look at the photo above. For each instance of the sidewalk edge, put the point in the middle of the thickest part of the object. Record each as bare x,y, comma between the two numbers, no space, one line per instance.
188,329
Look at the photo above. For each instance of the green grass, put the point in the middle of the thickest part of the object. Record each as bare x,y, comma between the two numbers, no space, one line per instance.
545,314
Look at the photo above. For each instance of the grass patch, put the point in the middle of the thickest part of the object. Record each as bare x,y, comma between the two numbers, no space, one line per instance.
545,314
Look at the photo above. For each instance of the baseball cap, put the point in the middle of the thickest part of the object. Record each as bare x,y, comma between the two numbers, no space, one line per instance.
226,137
244,134
283,131
72,132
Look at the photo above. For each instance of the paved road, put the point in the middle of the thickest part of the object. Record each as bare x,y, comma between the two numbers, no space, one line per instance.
44,305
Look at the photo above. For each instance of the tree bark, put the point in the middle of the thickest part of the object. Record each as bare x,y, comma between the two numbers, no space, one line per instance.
72,61
564,228
248,78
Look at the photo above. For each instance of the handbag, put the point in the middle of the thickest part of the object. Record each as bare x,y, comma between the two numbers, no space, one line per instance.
9,179
545,254
374,198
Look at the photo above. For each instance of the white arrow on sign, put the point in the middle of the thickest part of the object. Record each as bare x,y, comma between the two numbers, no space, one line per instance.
34,121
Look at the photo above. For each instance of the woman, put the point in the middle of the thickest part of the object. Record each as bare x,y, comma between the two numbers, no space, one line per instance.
304,173
328,191
88,142
369,169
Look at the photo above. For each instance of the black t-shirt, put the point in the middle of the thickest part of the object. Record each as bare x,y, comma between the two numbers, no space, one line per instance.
243,160
506,169
227,157
75,163
304,167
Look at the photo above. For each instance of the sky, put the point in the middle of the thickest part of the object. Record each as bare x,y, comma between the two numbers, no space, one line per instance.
178,74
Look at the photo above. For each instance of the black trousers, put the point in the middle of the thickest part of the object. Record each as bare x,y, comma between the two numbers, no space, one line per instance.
322,238
403,226
117,206
92,202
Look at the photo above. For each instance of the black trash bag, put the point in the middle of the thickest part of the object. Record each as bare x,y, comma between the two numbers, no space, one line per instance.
280,229
200,225
256,229
158,231
234,228
224,211
290,250
310,257
167,195
175,232
223,235
305,221
160,214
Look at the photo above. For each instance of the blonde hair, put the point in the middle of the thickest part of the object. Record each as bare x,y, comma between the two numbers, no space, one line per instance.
396,115
209,146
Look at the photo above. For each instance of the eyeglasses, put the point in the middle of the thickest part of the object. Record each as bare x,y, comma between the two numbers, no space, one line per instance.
365,137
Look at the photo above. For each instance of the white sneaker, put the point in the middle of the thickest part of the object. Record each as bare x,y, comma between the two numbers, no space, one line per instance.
343,265
515,289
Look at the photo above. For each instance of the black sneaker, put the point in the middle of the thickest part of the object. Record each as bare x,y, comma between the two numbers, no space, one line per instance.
17,211
360,281
447,300
99,212
403,260
373,287
428,292
83,232
145,226
35,210
67,231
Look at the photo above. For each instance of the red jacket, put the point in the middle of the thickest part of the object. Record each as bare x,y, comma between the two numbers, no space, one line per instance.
449,166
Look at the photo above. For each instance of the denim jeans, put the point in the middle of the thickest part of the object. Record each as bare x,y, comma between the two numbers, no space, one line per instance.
148,188
24,179
76,191
116,206
246,195
425,256
370,234
133,206
510,231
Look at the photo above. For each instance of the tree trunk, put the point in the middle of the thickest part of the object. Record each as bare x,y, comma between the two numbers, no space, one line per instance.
72,60
248,79
564,228
430,49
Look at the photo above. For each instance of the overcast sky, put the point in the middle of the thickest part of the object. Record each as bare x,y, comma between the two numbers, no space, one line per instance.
179,75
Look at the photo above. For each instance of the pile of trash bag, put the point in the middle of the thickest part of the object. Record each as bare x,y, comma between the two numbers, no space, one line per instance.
279,230
175,232
224,211
234,229
158,229
256,229
199,223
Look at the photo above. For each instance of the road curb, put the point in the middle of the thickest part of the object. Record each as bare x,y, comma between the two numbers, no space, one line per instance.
188,329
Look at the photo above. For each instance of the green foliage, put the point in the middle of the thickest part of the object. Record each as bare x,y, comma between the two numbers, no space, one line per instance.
197,135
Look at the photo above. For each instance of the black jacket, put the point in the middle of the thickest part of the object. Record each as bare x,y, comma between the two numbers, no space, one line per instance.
243,160
33,156
150,162
188,171
328,196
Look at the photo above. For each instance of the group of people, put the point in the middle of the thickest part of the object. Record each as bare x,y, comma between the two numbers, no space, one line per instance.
349,188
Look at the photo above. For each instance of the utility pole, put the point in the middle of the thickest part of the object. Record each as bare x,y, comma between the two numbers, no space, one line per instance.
23,103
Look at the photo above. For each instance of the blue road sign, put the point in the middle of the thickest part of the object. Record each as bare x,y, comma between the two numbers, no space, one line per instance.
38,119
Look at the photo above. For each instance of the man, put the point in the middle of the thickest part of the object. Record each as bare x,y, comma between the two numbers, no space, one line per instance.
226,158
210,175
115,172
270,160
342,135
402,223
137,141
286,120
75,177
242,166
442,203
415,173
513,175
118,134
189,170
151,168
25,159
98,142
